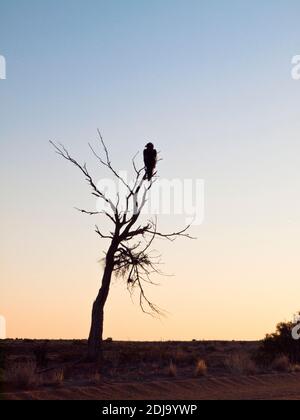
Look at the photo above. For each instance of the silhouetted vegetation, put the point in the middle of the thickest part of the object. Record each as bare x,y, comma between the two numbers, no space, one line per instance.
124,361
279,344
40,352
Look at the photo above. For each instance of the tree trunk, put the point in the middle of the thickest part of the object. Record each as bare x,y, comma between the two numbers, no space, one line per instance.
96,331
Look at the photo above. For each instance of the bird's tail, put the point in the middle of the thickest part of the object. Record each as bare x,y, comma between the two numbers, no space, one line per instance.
148,176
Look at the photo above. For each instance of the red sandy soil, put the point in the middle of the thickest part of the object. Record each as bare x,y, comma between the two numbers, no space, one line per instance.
261,387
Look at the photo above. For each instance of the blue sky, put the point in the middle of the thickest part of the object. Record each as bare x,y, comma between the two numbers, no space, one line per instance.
180,66
208,81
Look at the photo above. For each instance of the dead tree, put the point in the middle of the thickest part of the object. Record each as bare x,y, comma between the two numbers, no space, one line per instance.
129,254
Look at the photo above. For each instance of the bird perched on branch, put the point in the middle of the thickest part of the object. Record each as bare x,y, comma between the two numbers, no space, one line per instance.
150,160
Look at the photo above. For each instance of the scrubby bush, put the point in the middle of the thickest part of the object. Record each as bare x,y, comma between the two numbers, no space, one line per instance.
241,364
281,343
171,370
22,375
41,355
2,358
281,364
201,368
57,377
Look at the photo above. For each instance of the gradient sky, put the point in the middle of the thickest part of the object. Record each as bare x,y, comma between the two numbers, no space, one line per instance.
210,82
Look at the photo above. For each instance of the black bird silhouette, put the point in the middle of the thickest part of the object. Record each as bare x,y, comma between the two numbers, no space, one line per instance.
150,160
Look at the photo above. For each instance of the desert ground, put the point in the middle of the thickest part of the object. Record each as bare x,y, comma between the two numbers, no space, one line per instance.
51,370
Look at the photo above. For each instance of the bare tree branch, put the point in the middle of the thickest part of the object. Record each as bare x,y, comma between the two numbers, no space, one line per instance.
96,213
173,236
129,254
62,151
102,235
107,162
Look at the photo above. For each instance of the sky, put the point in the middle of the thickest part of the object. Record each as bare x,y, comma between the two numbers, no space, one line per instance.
209,82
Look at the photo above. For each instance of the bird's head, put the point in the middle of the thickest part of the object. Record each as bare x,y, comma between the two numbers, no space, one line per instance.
150,146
